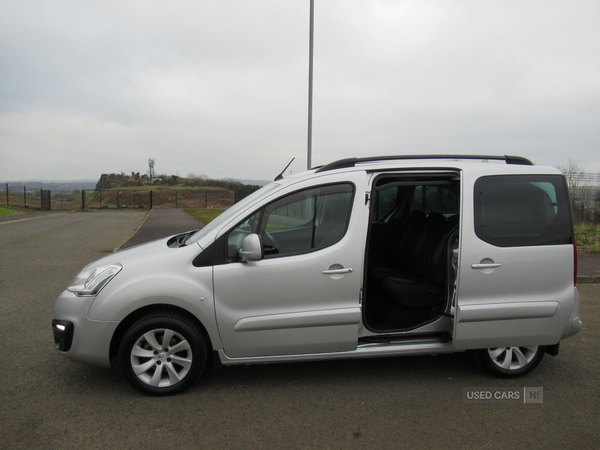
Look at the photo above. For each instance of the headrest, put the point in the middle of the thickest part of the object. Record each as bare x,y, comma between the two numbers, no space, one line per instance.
417,217
435,221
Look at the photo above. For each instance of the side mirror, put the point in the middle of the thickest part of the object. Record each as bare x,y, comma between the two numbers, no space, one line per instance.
252,249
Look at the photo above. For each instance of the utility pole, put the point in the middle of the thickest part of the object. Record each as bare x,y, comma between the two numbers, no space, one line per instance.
310,82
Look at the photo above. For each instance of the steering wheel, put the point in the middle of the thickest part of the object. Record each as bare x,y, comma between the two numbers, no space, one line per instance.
270,245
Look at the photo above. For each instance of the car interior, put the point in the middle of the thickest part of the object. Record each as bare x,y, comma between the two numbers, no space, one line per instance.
413,232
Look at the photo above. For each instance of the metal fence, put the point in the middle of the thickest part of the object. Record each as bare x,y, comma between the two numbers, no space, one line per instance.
163,198
22,197
42,199
584,188
586,204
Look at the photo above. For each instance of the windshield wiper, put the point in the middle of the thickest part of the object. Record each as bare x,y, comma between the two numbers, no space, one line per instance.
180,240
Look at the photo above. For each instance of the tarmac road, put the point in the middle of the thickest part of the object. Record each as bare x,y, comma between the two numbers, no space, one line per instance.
49,402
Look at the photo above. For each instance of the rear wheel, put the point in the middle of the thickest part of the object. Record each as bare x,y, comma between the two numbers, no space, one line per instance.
509,362
162,354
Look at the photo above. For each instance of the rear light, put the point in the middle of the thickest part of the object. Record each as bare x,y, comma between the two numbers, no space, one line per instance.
574,261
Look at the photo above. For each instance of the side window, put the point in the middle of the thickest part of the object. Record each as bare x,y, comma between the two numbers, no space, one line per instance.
522,210
298,223
387,199
435,198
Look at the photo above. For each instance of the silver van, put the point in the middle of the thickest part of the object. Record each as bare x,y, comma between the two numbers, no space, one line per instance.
363,257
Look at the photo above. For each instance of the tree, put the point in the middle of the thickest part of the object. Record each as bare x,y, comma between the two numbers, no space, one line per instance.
574,175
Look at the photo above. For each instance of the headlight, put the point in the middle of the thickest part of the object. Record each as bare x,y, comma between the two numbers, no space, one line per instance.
91,281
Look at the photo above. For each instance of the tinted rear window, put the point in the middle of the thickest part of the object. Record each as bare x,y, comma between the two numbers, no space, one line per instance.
523,210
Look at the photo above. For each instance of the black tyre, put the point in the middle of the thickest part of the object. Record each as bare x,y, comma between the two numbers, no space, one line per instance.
510,362
162,354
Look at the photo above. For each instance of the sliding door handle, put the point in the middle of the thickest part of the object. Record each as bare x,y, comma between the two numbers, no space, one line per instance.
337,271
485,265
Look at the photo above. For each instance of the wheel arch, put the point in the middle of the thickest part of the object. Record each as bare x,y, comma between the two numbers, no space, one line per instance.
134,316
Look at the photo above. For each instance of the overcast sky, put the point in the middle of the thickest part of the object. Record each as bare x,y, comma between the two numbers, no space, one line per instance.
220,87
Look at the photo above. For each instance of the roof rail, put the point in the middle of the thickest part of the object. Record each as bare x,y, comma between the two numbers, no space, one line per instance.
351,162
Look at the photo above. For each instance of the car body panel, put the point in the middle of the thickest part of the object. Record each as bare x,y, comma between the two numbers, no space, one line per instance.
515,302
91,340
287,305
155,274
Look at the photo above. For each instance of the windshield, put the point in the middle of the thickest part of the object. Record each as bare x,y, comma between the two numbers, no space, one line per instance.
231,212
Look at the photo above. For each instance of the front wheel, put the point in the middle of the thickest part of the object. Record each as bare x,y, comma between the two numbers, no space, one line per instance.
510,362
162,354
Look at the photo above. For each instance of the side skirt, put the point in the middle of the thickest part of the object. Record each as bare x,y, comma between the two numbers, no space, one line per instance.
367,350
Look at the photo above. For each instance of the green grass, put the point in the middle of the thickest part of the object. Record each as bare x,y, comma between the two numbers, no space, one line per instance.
588,238
8,212
204,214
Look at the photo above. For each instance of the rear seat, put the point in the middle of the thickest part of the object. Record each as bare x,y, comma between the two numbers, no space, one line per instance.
401,249
423,287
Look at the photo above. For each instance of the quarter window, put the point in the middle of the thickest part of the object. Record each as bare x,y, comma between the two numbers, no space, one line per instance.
522,210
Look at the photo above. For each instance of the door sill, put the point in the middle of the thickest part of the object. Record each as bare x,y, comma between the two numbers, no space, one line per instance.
416,345
405,338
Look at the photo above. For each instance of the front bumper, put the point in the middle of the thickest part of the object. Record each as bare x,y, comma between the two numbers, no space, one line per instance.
78,338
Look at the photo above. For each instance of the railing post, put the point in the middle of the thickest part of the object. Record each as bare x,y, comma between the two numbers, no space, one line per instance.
83,200
25,196
175,198
7,201
205,198
150,199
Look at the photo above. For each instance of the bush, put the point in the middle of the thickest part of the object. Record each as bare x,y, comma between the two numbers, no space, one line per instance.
588,238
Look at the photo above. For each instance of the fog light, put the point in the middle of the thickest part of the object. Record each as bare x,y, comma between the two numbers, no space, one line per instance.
63,334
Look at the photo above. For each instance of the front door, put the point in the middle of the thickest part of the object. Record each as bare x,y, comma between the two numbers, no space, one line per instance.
303,296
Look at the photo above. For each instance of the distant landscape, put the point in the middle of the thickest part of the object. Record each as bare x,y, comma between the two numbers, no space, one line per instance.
137,181
127,191
88,185
53,185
